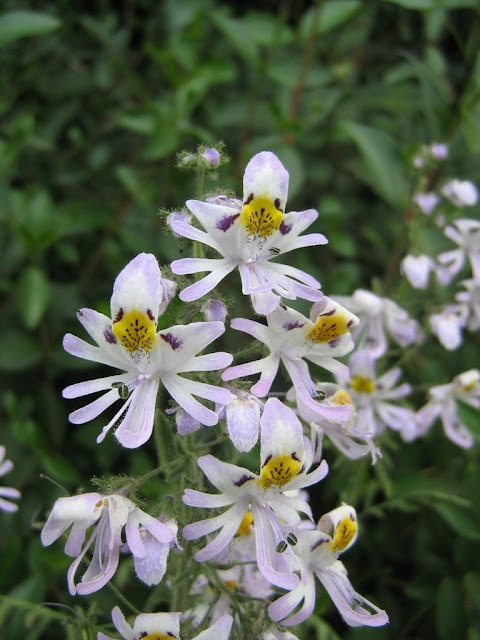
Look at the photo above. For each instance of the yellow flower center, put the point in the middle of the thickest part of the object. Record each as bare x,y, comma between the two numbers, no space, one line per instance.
329,327
344,534
230,584
279,471
245,528
341,398
261,215
362,384
135,330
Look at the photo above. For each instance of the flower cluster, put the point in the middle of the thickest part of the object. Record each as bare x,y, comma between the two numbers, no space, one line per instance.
263,543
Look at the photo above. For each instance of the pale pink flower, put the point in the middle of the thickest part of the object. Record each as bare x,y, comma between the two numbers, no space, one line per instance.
292,339
285,456
156,626
317,551
130,342
426,202
111,515
442,403
7,492
249,236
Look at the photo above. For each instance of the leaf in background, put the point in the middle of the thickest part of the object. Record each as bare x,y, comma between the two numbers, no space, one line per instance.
425,5
20,24
33,294
332,15
459,519
470,418
382,157
449,610
18,351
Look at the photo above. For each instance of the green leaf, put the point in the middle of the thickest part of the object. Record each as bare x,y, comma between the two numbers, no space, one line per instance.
470,418
33,294
18,351
460,519
20,24
426,5
383,161
449,611
332,15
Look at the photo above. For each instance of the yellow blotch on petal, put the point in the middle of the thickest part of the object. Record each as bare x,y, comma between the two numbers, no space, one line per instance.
278,471
157,636
342,398
329,326
362,384
344,534
261,216
245,528
135,330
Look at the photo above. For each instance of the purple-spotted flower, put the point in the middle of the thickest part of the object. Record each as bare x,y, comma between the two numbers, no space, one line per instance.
317,552
379,317
163,626
347,436
292,338
249,236
442,403
465,232
7,492
448,324
375,399
110,515
285,456
129,341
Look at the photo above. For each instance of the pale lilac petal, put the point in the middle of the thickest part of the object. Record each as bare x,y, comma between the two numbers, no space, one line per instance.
208,362
205,285
274,566
134,539
95,408
220,630
255,329
186,230
306,610
454,429
266,176
231,520
310,240
223,475
206,500
284,605
156,625
81,349
243,423
265,303
88,387
137,425
350,604
175,385
151,568
282,431
122,625
138,286
9,507
194,265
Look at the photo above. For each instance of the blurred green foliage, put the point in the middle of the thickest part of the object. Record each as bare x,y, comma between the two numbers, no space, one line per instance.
96,99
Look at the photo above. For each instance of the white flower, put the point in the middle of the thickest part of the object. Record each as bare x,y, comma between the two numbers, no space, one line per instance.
426,202
286,457
317,553
417,270
249,236
129,341
442,404
448,324
160,626
465,232
7,492
112,514
461,193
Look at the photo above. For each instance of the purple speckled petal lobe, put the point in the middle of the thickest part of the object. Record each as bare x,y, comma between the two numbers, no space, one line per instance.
224,476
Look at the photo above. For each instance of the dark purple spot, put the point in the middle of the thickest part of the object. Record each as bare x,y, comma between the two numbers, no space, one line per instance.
285,228
226,222
294,456
277,204
249,199
243,480
266,460
119,315
288,326
328,313
109,336
174,342
333,343
150,315
318,543
349,323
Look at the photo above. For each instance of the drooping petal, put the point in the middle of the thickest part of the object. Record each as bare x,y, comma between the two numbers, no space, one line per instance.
220,630
137,425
